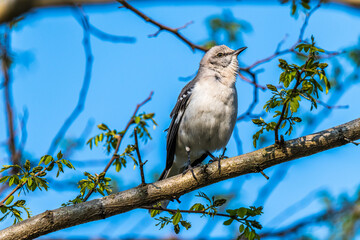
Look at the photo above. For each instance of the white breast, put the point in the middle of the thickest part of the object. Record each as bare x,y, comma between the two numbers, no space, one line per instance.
208,120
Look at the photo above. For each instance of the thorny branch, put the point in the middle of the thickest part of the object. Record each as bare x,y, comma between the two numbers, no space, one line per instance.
119,140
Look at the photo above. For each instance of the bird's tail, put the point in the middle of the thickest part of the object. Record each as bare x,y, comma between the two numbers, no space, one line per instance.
172,171
175,170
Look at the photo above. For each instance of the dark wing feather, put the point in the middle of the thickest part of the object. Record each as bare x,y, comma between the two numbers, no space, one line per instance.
176,113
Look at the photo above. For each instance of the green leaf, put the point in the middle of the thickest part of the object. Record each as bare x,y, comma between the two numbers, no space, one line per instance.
30,182
228,222
176,217
257,121
241,212
11,181
154,212
59,155
103,127
137,119
9,200
46,159
219,202
241,228
185,224
297,119
27,165
305,5
197,207
177,228
294,105
271,87
67,163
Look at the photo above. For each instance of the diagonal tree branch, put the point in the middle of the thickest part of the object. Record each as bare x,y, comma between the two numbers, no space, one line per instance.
178,185
174,31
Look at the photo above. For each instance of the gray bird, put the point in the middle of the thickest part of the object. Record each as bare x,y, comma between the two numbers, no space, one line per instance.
204,116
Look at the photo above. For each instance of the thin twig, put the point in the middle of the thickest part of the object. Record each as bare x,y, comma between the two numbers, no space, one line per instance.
251,82
265,176
109,37
186,211
119,140
355,143
141,164
174,31
248,112
330,106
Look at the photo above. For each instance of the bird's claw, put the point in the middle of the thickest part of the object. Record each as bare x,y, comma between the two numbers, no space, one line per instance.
189,168
217,159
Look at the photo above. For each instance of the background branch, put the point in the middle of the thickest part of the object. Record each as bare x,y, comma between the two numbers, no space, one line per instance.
6,61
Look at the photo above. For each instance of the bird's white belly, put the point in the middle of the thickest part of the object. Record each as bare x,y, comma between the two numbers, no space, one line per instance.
208,122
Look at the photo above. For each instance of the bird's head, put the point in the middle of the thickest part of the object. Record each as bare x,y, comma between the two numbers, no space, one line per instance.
222,59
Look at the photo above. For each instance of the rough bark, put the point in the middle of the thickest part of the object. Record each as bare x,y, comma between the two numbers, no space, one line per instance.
176,186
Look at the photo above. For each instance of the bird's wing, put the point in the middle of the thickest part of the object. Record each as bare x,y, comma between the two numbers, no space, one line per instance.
176,115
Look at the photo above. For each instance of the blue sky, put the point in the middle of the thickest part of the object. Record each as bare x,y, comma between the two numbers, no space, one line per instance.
49,69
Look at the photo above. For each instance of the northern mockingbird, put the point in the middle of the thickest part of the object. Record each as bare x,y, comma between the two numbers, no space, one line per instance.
205,113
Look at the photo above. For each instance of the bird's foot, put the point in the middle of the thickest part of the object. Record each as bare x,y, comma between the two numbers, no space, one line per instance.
191,169
217,159
188,164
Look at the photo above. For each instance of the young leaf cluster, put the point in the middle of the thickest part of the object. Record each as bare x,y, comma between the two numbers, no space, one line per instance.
245,216
248,225
111,136
121,159
14,210
299,82
211,207
28,178
176,219
101,182
142,125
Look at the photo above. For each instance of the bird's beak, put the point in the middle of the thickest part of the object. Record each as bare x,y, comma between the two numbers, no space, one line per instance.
237,52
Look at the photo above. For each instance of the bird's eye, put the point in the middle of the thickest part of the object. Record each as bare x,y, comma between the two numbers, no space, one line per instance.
220,55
